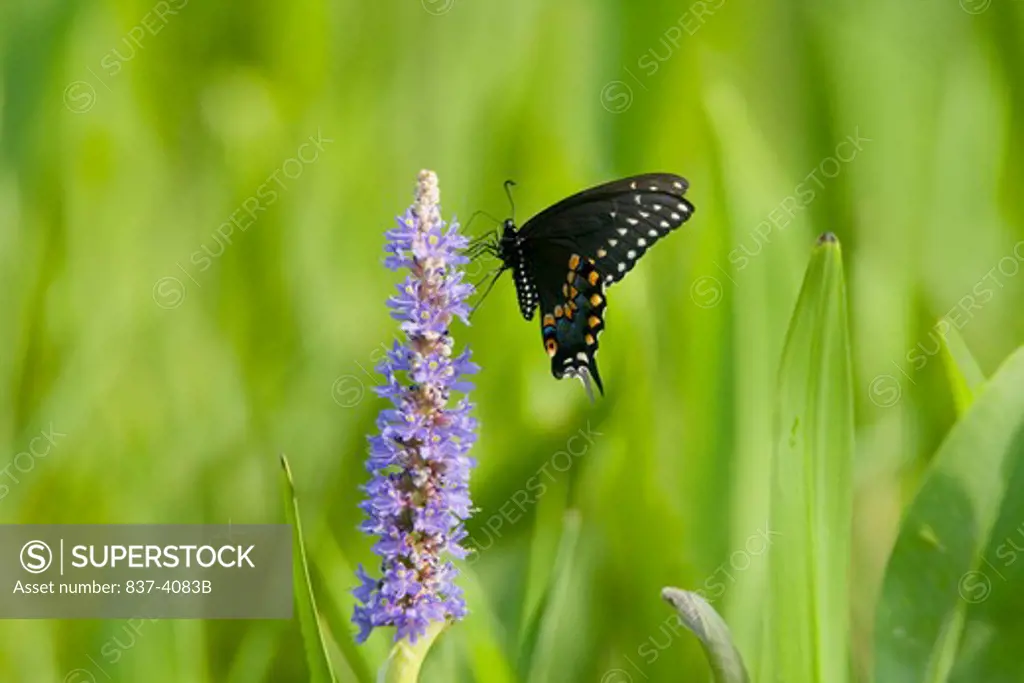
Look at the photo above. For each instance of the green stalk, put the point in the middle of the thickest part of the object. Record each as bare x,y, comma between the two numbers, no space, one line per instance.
405,661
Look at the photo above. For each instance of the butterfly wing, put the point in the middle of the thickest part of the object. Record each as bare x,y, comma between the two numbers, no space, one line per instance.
615,223
572,302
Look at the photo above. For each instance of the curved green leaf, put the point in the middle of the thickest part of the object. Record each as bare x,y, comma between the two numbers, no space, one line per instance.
701,618
953,593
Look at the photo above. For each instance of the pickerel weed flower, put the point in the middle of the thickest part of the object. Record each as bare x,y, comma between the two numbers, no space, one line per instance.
418,495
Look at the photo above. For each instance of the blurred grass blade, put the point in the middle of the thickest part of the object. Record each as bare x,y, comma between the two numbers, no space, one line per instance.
406,659
545,542
808,625
760,276
962,371
253,656
331,572
701,618
312,637
950,602
540,654
481,631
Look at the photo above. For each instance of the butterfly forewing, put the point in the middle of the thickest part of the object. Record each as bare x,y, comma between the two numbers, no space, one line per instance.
615,223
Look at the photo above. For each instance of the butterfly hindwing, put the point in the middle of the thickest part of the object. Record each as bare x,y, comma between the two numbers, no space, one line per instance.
571,328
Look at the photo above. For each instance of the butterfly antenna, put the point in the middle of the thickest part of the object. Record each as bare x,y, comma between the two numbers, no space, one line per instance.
478,213
486,291
509,184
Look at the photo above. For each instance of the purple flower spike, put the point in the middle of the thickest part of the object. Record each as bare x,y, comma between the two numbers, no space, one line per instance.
418,496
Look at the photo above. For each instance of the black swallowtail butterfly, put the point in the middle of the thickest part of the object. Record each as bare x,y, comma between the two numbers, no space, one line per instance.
564,257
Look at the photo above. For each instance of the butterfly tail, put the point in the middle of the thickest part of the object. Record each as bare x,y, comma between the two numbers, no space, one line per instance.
585,375
597,378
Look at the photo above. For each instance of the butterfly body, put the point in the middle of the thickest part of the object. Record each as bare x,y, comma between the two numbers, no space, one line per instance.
565,257
515,258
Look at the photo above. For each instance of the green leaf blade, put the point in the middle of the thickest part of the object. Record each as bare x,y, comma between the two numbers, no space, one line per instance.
320,670
962,371
807,637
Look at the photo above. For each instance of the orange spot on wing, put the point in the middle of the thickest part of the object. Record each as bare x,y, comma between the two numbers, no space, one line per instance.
594,277
593,321
590,339
552,347
595,299
558,311
574,262
549,320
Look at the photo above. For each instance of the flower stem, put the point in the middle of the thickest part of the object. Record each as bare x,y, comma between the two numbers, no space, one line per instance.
404,662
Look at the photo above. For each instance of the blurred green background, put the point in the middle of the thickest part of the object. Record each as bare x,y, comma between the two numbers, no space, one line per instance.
179,361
